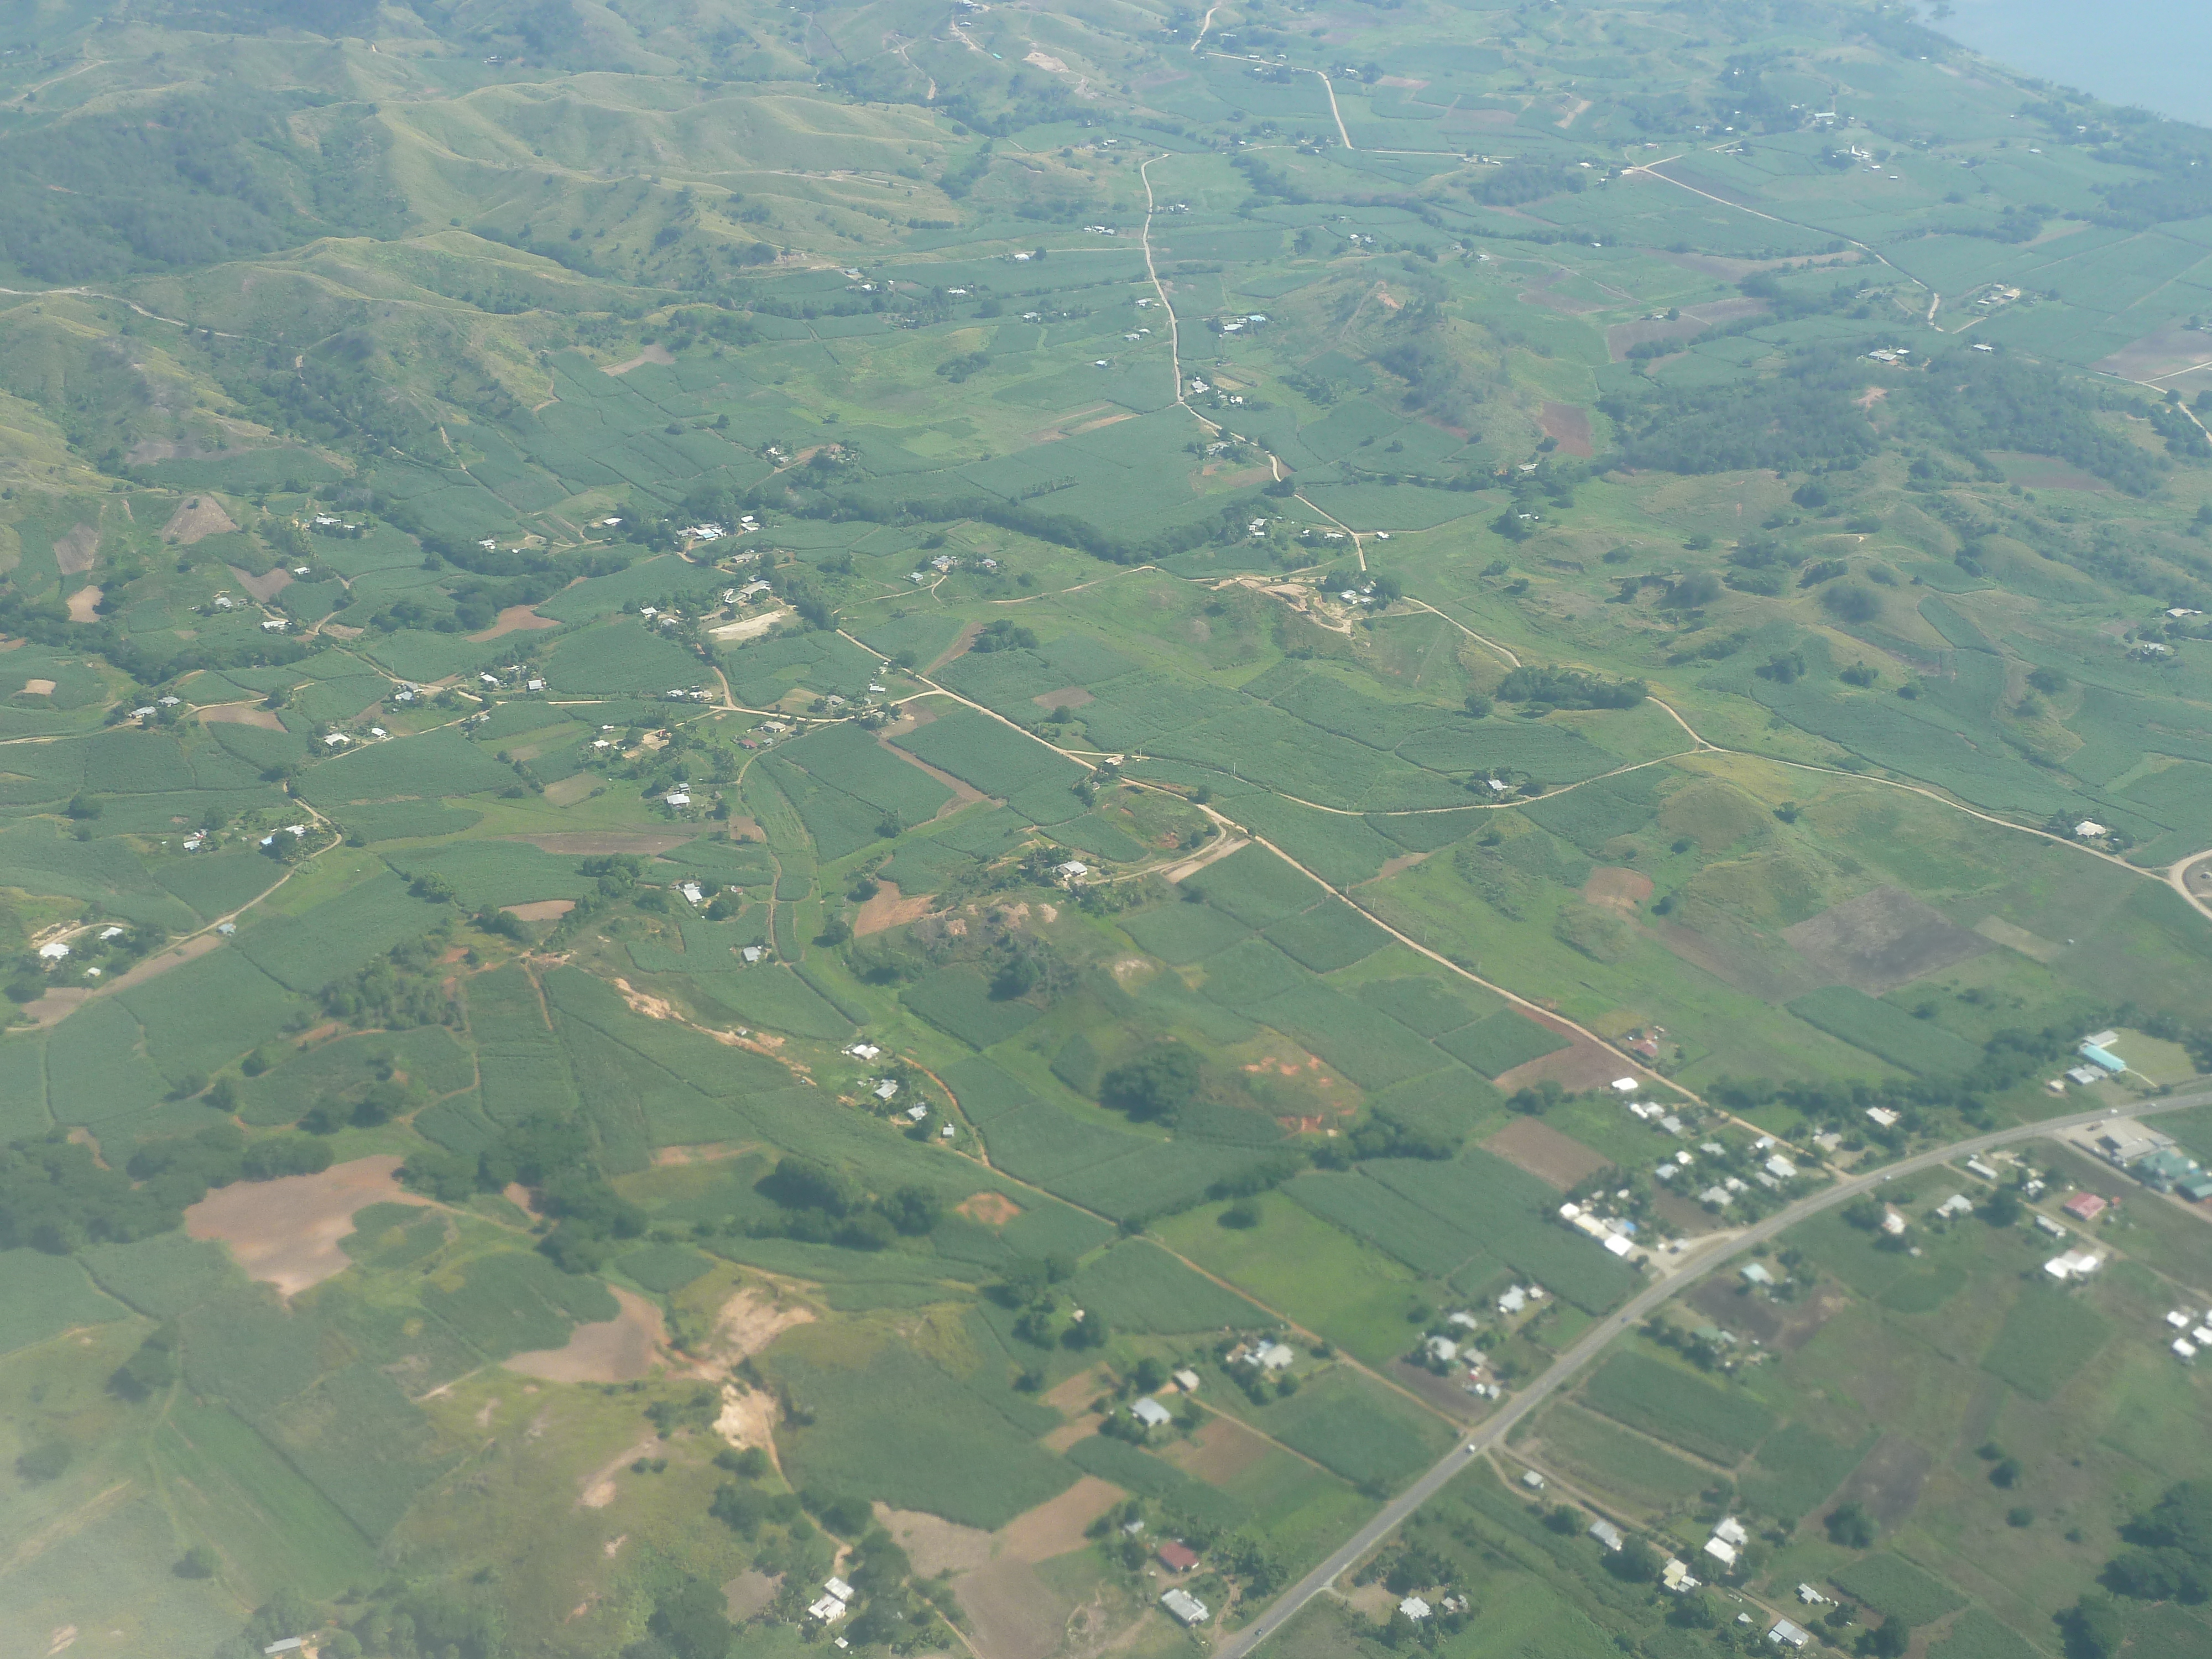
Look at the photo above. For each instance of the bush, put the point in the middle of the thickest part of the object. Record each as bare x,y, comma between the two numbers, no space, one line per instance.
1850,1525
1157,1085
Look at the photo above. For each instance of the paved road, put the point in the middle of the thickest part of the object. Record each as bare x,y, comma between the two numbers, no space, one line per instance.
1723,1248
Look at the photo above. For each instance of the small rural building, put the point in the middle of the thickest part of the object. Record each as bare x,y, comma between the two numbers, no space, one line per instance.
1757,1273
1150,1413
1721,1551
1676,1576
1413,1607
290,1645
1442,1349
1957,1204
2085,1206
1176,1556
838,1587
1976,1167
1187,1380
1184,1607
1882,1116
1809,1596
2074,1264
1788,1635
1607,1534
1533,1480
1892,1222
2051,1227
1732,1531
1274,1357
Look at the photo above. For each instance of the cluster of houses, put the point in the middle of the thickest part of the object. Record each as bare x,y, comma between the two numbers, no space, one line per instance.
2152,1157
834,1602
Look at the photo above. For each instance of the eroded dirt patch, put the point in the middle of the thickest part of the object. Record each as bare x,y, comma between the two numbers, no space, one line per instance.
265,587
541,909
84,604
199,517
587,842
1225,1447
656,353
75,552
516,619
1583,1064
1545,1153
286,1232
1882,940
1068,696
934,1543
1568,426
890,908
991,1209
623,1349
1055,1526
242,714
751,1318
1617,889
1014,1612
748,1594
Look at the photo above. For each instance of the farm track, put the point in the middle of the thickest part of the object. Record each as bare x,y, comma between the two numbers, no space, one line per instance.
1600,1335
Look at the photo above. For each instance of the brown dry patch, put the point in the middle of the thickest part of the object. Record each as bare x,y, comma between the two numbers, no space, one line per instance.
1014,1613
753,1318
1392,866
889,909
623,1349
265,587
964,794
656,353
541,909
934,1543
84,604
664,1156
1871,396
286,1231
74,553
199,517
1055,1526
589,842
242,714
958,647
1224,1449
748,1417
38,688
518,1195
1881,939
1544,1153
749,1593
1213,855
1102,421
1586,1064
990,1209
598,1487
1569,426
1063,425
1077,1392
1617,889
1071,696
1045,60
516,619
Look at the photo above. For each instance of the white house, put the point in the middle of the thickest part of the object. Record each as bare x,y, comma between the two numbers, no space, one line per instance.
1181,1605
1150,1413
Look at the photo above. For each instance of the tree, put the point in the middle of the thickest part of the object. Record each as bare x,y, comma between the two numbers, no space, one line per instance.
914,1210
1636,1561
2001,1209
2092,1626
1888,1640
1157,1085
199,1562
1850,1525
691,1621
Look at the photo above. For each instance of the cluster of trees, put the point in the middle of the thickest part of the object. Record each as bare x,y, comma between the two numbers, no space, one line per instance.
1568,688
1801,418
56,1196
397,990
819,1205
556,1157
2168,1557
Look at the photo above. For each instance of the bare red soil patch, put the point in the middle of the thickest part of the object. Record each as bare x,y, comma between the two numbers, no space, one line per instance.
890,908
541,909
286,1232
516,619
1545,1153
242,714
992,1209
606,840
201,516
1225,1448
1056,1525
1569,426
1584,1065
1617,889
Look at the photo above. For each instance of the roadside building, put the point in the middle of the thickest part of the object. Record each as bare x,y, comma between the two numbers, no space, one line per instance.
1182,1606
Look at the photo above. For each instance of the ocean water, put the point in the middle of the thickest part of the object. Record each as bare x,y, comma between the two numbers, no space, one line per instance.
2157,53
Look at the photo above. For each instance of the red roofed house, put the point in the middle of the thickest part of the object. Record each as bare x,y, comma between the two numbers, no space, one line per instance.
1176,1557
2085,1206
